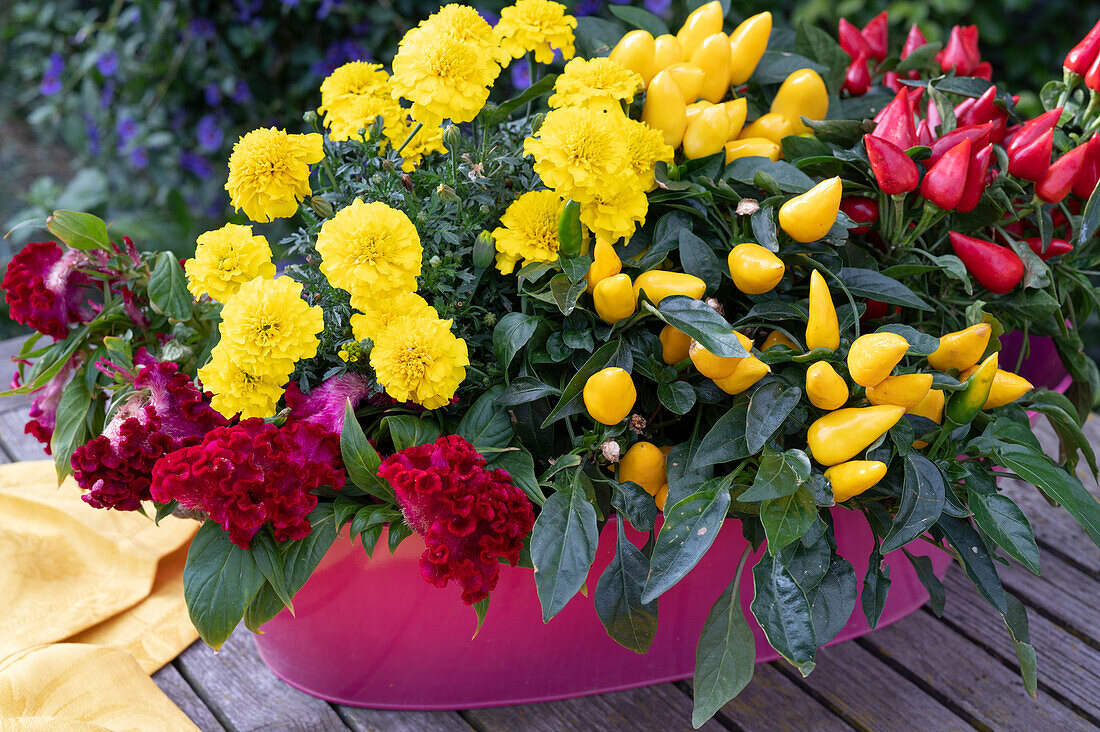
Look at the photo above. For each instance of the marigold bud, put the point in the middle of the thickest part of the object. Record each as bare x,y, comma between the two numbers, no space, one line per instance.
484,250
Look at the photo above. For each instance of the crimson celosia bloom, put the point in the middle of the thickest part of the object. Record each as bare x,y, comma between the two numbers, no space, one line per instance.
253,473
324,405
44,289
43,414
166,412
468,516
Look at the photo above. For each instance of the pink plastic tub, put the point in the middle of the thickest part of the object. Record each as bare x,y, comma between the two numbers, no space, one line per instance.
371,632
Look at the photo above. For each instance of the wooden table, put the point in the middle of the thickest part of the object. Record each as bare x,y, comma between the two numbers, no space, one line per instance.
951,673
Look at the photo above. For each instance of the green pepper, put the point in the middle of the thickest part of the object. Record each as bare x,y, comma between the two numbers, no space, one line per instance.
965,403
569,230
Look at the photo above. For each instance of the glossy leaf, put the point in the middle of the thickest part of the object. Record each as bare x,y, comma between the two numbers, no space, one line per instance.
726,439
769,407
1016,622
779,474
408,431
511,334
834,600
676,396
219,581
787,518
684,477
975,559
700,321
876,588
937,593
519,464
872,284
629,622
689,530
269,560
632,501
1064,488
1003,521
563,547
168,291
361,460
486,424
700,260
922,497
525,389
784,612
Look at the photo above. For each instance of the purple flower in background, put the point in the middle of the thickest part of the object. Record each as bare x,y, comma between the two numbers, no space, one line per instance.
92,130
619,2
51,80
327,6
107,96
658,7
246,9
241,93
338,54
107,63
490,18
203,28
290,3
195,164
209,133
521,76
139,158
127,129
57,65
588,7
213,94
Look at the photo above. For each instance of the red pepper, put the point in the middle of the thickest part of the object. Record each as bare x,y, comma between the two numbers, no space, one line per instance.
851,40
895,122
996,268
1032,130
895,171
891,81
945,181
980,110
975,180
913,41
857,81
933,116
1084,54
924,135
1056,247
875,310
977,134
961,53
1032,161
984,70
1089,174
862,210
1060,176
876,34
1092,76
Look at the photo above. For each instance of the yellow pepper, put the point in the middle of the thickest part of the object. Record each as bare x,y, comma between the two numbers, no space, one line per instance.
907,390
809,217
706,133
666,51
661,497
770,126
737,110
704,21
689,80
803,94
664,108
965,403
754,269
854,477
609,395
747,45
776,338
1007,387
614,298
636,51
717,367
749,371
825,388
713,57
605,263
644,464
674,345
822,328
692,111
873,356
961,349
751,147
659,284
930,407
841,435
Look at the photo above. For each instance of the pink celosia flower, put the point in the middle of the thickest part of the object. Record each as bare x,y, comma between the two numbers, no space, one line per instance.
44,289
253,473
324,405
43,415
469,517
166,412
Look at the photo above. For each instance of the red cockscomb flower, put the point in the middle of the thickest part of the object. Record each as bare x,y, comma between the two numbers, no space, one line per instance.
253,473
44,289
166,412
468,516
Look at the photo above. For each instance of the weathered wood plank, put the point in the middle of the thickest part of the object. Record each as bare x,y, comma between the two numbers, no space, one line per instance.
662,707
1064,593
867,693
928,650
1067,667
20,445
1054,528
772,701
176,688
385,720
9,348
241,691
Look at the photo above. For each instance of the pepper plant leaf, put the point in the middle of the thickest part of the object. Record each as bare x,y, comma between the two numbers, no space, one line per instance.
630,622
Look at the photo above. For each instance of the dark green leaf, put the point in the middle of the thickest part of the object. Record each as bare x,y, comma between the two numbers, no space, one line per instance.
787,518
219,581
784,612
540,88
787,177
486,424
361,460
726,439
512,333
1064,488
563,547
725,657
922,496
779,474
521,467
1016,622
683,475
918,58
639,18
1090,218
676,396
525,389
776,66
817,44
168,288
408,431
834,600
920,344
618,597
1003,522
979,566
872,284
769,407
71,426
565,293
876,588
700,260
937,593
631,500
763,223
700,321
269,560
689,530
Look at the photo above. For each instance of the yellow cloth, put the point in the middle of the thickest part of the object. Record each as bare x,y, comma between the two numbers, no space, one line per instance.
107,583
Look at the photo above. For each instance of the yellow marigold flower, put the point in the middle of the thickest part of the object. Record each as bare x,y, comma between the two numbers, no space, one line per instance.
238,391
646,147
458,21
225,259
444,77
380,312
351,81
267,327
600,82
427,140
370,250
418,359
360,112
269,172
578,150
534,25
529,231
615,209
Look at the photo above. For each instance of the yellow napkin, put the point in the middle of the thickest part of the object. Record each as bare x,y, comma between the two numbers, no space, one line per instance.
109,584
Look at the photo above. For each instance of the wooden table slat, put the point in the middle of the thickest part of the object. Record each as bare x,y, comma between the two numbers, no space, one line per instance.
14,440
385,720
176,688
772,701
1063,593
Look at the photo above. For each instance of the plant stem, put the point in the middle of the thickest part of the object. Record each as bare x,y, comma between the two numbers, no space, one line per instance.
410,137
